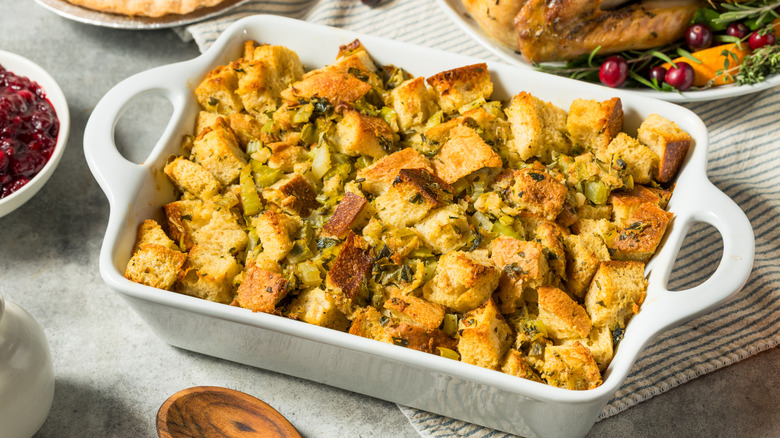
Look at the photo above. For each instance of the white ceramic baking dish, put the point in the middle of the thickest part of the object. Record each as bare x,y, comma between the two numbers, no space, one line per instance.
490,398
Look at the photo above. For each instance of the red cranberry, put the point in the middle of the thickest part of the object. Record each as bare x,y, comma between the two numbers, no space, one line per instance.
738,30
614,71
13,186
680,77
757,41
658,73
698,36
4,160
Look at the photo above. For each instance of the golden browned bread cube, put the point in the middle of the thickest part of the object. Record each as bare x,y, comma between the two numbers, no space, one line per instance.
584,254
414,193
359,134
626,201
192,177
668,142
416,311
274,230
208,120
616,292
459,86
536,190
352,213
207,224
643,232
368,324
334,86
593,124
599,342
352,266
485,337
461,282
293,194
285,156
464,152
318,307
603,228
570,367
264,72
520,260
247,128
217,150
217,91
640,162
562,316
379,176
209,275
420,338
538,128
156,260
551,236
445,229
413,103
516,364
261,290
150,232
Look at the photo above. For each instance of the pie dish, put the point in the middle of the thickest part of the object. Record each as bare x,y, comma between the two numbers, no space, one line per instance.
412,378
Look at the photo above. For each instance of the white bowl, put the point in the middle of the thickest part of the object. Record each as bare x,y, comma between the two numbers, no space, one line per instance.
21,66
455,389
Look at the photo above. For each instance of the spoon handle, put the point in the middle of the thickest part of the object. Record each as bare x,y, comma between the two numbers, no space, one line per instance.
208,411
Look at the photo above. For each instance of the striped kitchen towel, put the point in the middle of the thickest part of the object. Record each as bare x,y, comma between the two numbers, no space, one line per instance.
744,162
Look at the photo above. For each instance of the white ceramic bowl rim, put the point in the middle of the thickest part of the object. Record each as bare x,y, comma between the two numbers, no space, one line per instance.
22,66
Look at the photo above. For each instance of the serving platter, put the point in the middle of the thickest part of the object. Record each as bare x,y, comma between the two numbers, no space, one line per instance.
137,191
88,16
456,12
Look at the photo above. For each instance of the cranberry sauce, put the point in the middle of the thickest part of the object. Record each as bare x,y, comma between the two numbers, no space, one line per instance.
28,131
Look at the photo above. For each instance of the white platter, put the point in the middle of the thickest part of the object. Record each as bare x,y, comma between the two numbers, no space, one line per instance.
137,191
457,13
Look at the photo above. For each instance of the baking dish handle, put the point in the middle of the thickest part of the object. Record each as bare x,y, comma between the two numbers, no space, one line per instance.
110,168
711,206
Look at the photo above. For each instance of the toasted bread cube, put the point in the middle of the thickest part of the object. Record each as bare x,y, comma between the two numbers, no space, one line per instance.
516,364
359,134
416,311
265,72
626,201
537,128
593,124
644,231
414,193
156,261
616,292
261,290
217,91
352,266
354,55
535,190
368,324
584,254
209,276
421,338
150,232
461,282
413,103
551,236
293,194
247,128
209,120
600,227
285,156
318,307
445,229
192,177
274,230
208,224
330,84
183,219
352,213
217,150
459,86
571,367
668,142
599,342
562,316
464,152
380,175
485,336
639,160
521,260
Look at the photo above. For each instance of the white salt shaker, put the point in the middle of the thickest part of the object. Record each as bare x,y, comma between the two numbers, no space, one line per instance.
26,373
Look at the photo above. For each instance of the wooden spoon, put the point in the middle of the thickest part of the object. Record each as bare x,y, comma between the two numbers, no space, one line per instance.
210,411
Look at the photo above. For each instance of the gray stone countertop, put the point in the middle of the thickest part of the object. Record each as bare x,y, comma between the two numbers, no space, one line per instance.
113,373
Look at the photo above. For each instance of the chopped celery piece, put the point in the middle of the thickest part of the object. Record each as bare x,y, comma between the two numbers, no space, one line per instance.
390,117
434,120
309,134
321,163
342,170
254,240
505,230
483,221
449,354
430,269
254,146
249,197
262,155
450,324
300,252
269,127
303,113
266,176
494,108
308,274
476,103
421,253
596,191
362,161
506,220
